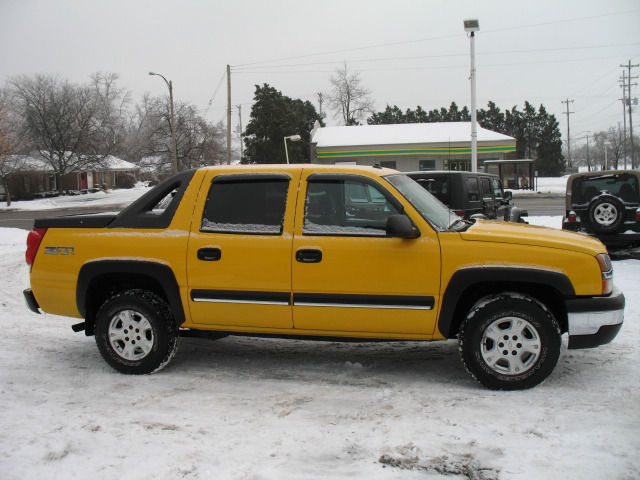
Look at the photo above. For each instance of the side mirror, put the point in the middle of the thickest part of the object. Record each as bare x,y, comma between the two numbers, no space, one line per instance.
400,226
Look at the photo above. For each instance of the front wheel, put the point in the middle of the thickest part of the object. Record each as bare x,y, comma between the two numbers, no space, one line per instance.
509,341
135,332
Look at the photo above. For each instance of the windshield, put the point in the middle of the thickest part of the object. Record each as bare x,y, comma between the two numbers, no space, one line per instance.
431,209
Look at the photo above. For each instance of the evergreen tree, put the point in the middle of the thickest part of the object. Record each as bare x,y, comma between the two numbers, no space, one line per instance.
491,118
537,133
549,159
454,114
417,116
391,115
273,117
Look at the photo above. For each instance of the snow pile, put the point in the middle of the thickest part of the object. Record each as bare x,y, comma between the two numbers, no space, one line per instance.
266,409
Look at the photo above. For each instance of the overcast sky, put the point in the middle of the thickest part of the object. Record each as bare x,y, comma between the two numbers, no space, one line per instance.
408,52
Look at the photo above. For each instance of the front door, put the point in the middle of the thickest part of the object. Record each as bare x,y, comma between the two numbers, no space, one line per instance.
239,262
348,276
490,204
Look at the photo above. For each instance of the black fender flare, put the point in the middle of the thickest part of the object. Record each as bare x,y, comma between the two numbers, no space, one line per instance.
466,278
159,273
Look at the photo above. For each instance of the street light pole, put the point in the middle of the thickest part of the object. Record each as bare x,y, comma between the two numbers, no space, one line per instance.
172,121
472,26
293,138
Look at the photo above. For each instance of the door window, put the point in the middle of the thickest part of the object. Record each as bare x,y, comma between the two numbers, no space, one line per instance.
346,207
473,191
497,187
252,206
485,188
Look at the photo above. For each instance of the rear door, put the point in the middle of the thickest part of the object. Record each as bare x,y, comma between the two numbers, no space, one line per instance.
239,254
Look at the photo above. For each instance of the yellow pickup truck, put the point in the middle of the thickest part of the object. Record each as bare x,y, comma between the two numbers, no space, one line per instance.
321,252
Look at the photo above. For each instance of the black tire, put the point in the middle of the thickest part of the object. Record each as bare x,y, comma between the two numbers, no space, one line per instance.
136,333
509,341
606,214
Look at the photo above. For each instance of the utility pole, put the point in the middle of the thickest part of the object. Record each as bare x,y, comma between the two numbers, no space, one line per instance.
624,118
240,132
588,159
567,113
320,100
629,67
228,115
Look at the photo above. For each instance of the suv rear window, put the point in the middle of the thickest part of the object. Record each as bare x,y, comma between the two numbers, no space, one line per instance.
624,186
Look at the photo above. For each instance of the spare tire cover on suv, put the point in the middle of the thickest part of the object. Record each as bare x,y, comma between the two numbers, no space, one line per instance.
606,214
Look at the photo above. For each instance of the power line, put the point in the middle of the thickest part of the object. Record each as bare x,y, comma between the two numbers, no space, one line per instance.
222,77
429,67
240,69
391,44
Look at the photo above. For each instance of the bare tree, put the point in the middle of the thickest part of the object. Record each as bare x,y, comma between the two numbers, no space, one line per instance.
111,113
71,126
10,144
199,142
615,147
348,98
605,150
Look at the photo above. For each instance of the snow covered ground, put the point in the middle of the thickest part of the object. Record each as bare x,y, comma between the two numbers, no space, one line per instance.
117,198
241,408
265,409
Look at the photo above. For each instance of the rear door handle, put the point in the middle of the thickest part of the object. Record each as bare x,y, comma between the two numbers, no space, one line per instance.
309,256
209,254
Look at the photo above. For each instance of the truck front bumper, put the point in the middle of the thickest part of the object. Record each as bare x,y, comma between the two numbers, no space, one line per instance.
594,321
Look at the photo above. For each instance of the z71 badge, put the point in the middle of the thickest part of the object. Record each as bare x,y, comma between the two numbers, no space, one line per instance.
58,250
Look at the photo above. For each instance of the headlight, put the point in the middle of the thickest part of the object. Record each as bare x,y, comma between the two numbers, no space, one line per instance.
607,273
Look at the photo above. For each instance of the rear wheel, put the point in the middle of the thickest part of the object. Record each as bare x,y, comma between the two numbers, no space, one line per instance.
136,333
509,341
606,214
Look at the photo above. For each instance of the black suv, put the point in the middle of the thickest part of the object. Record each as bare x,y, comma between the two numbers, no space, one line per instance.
606,205
469,194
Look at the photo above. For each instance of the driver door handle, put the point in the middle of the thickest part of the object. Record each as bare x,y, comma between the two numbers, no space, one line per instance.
209,254
309,256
